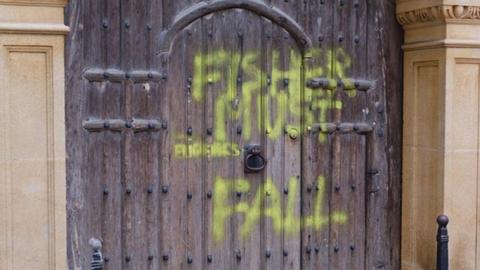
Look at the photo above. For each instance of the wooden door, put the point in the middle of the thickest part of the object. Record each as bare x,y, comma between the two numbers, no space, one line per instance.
229,134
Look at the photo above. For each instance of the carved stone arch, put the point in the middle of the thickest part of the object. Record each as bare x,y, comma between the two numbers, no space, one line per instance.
199,10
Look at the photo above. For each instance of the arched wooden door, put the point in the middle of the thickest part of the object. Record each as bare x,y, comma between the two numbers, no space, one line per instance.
234,134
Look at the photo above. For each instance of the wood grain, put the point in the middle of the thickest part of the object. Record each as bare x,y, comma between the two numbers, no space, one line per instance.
154,210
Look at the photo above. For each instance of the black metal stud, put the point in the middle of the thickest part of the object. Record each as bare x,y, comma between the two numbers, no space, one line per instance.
285,253
336,249
375,191
165,257
189,259
189,131
356,39
317,249
127,24
128,191
238,255
380,133
380,109
268,254
341,3
286,82
239,130
128,259
239,194
321,38
150,190
352,247
209,131
150,257
189,195
340,38
209,194
308,250
165,189
164,125
105,23
105,191
149,27
128,124
309,188
285,191
209,258
337,188
354,187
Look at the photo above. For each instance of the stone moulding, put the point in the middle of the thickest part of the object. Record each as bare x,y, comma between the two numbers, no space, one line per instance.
43,3
443,13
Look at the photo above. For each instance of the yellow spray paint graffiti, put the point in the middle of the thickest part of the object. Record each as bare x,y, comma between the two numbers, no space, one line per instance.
284,220
261,89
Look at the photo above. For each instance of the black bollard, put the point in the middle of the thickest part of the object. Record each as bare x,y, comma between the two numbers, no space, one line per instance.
442,243
97,258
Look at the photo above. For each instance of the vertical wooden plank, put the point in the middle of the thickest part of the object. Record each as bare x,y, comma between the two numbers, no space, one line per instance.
273,95
349,56
211,259
195,141
112,109
374,219
95,147
291,63
174,202
317,146
150,111
218,225
233,99
356,43
154,27
77,216
392,111
249,228
135,144
382,202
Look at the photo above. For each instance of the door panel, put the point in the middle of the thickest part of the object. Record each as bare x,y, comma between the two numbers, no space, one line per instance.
167,99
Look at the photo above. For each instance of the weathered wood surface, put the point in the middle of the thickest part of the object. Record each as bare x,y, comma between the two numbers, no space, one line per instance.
155,137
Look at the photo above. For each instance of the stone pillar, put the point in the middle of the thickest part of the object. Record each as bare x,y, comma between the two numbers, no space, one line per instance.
32,135
441,130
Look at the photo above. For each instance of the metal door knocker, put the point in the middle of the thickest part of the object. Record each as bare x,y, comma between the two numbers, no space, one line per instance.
254,161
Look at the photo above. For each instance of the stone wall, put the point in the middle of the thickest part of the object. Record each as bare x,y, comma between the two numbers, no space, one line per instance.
32,137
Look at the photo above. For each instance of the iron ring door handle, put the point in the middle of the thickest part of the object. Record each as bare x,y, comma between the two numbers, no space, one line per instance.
255,163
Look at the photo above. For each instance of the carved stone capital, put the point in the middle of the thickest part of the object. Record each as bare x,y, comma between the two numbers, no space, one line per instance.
440,14
440,23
